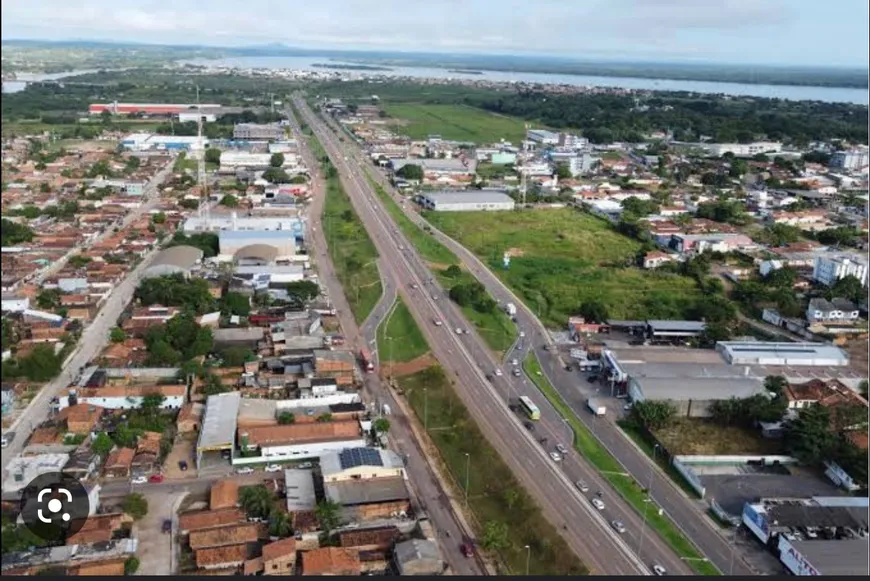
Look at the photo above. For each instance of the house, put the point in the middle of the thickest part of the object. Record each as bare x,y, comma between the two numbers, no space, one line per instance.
376,539
331,561
98,528
226,557
371,499
224,494
279,557
119,463
106,568
224,536
190,418
829,393
837,311
656,258
80,418
360,464
578,328
304,440
116,397
418,557
207,519
714,242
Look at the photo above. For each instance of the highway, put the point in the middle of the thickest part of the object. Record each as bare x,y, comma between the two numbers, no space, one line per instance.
586,530
94,337
688,513
449,527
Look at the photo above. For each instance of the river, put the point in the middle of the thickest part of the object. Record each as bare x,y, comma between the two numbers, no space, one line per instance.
790,92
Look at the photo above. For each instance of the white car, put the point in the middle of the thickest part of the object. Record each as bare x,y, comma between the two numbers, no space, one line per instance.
139,480
498,372
581,486
659,570
245,470
561,449
555,456
618,526
305,466
458,331
522,334
514,362
438,323
597,504
273,468
516,373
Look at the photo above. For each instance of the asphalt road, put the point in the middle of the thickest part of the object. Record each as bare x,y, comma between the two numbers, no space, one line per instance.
430,496
587,530
93,339
689,514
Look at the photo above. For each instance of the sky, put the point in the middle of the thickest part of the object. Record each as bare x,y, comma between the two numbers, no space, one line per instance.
781,32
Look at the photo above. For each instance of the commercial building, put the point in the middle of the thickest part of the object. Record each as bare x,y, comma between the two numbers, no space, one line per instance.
21,470
15,303
268,131
304,440
542,136
466,201
148,108
124,397
196,116
257,247
270,273
360,463
149,142
581,164
790,354
442,167
367,500
828,269
174,260
743,149
218,425
851,160
232,160
244,223
300,491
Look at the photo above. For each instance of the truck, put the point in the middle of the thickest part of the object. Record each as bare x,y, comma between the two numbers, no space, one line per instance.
366,360
510,309
595,407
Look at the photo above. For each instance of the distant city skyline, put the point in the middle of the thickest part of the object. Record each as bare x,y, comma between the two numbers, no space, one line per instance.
758,32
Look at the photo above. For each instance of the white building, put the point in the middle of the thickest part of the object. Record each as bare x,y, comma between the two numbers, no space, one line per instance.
851,160
303,440
743,149
360,464
466,201
790,354
543,136
831,268
195,116
22,469
122,397
15,304
573,141
581,164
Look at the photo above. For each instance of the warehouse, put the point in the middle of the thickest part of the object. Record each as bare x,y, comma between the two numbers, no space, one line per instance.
791,354
174,260
147,108
248,224
281,274
218,428
466,201
148,142
692,396
247,131
241,244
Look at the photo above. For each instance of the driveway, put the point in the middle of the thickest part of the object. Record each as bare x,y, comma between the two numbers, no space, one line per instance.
157,550
183,449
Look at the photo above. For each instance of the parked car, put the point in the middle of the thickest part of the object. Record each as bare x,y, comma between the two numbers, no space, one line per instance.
245,470
156,478
467,550
488,377
618,526
561,449
659,570
597,504
167,525
139,480
582,486
305,466
555,457
182,464
273,468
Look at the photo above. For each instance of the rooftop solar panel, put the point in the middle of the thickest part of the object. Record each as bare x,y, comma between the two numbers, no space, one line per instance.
352,457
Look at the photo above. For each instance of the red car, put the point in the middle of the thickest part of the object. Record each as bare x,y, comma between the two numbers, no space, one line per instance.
466,550
156,478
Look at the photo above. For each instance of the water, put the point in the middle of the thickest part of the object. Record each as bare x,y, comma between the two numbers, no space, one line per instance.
23,78
790,92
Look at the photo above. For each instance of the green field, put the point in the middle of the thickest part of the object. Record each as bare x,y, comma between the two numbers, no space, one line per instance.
352,252
494,494
496,327
586,444
399,337
564,258
454,122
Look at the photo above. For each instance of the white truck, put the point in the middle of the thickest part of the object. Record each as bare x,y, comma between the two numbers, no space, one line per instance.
595,407
510,309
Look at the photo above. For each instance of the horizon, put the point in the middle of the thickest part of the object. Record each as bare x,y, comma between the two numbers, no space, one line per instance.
772,33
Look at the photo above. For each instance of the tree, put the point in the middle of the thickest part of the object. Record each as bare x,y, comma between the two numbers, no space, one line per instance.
135,505
808,437
158,218
48,299
783,278
410,171
213,155
381,425
285,418
299,179
117,335
131,565
496,536
327,513
324,417
78,261
279,524
102,445
453,271
237,356
230,201
152,402
276,175
848,287
234,303
563,172
594,311
257,501
653,415
862,387
277,160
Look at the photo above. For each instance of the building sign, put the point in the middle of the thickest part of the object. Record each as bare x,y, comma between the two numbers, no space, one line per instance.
794,560
756,522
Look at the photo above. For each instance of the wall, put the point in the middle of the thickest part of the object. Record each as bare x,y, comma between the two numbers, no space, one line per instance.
298,451
794,560
332,399
689,475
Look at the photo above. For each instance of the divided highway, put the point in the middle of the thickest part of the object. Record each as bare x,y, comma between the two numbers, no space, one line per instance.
587,530
688,513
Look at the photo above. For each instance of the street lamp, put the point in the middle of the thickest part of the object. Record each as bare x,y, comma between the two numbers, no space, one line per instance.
467,475
648,498
528,558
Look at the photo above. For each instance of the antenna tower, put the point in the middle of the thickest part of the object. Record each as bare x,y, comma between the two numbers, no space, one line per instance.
201,180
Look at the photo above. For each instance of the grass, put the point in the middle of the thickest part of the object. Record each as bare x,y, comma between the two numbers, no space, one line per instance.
695,436
586,444
564,258
454,122
496,328
352,252
644,444
494,494
399,338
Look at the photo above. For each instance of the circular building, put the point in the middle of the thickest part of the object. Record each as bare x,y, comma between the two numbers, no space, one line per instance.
174,260
255,255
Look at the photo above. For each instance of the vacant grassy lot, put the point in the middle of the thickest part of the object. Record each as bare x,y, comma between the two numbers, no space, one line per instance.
693,436
399,337
494,495
564,258
586,444
352,252
454,122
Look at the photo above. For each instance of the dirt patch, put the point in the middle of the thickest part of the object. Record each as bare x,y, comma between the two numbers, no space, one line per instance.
704,437
515,252
413,366
183,449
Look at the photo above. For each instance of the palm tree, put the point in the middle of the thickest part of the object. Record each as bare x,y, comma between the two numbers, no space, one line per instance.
257,501
279,524
327,513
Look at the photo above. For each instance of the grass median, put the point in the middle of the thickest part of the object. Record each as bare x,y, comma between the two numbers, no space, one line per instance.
586,444
353,253
399,338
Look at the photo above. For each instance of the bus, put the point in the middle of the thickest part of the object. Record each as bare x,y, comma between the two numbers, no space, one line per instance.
366,360
530,408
